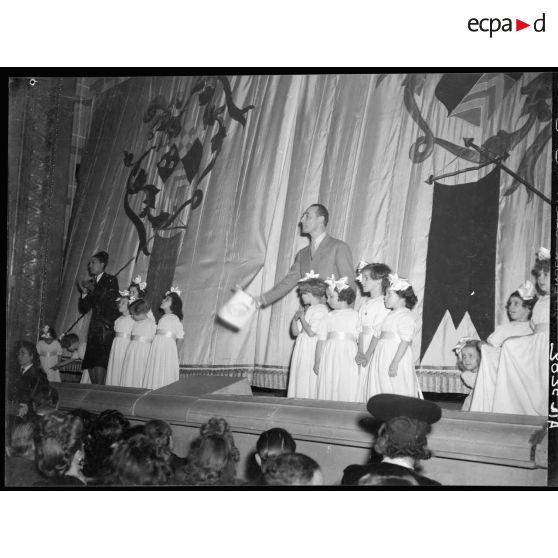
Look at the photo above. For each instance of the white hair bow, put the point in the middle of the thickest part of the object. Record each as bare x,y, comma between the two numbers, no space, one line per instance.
45,332
543,253
126,293
363,263
527,290
340,284
173,290
309,276
397,283
141,284
461,343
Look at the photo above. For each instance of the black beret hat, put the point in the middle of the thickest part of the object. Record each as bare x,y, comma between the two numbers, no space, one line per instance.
387,406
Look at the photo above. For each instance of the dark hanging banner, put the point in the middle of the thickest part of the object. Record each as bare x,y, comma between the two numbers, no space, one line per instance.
461,259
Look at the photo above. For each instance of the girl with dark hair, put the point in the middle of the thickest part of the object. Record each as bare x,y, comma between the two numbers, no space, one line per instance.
60,450
137,353
372,312
523,369
122,334
392,368
162,365
337,345
520,308
213,456
50,351
304,326
138,289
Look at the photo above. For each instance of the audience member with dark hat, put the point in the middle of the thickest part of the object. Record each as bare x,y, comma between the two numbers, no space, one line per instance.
402,438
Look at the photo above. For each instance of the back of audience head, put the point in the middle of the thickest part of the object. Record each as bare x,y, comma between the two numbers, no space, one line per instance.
139,461
403,437
107,429
59,444
45,400
378,479
292,469
160,432
272,443
213,455
22,438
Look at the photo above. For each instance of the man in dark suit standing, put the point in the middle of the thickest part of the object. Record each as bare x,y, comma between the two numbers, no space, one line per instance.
324,255
99,294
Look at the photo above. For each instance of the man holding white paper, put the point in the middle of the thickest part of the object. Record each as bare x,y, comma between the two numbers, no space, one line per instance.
324,255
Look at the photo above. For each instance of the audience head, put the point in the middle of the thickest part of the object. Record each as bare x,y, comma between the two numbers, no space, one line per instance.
107,429
213,455
272,443
468,353
406,424
45,400
139,461
59,444
292,469
380,479
160,432
22,438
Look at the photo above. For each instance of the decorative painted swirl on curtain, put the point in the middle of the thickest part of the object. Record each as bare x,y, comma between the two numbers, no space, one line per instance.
536,108
167,120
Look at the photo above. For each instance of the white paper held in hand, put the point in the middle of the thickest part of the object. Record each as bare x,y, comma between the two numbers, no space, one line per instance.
238,310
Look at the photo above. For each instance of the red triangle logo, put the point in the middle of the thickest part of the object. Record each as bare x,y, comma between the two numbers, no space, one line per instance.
519,25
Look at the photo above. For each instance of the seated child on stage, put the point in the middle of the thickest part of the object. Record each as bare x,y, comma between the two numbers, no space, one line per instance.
137,353
123,330
519,308
138,289
523,368
162,365
74,351
304,325
50,351
468,352
374,280
393,370
337,345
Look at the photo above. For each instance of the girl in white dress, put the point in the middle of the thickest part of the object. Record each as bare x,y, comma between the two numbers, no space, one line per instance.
304,326
123,332
137,352
138,289
337,345
468,353
49,350
393,370
162,365
523,369
519,308
374,280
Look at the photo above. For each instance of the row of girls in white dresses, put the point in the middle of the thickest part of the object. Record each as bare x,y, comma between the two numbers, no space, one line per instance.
144,353
345,355
511,370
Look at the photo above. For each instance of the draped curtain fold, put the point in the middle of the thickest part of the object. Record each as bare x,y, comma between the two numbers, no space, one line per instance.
341,140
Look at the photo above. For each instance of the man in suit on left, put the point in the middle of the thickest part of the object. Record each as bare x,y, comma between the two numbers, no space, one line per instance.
99,294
